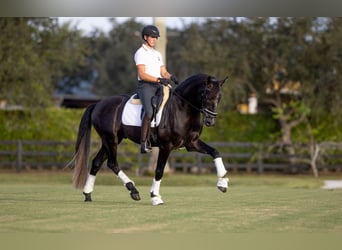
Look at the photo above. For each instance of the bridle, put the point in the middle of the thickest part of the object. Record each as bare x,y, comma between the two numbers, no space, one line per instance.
207,113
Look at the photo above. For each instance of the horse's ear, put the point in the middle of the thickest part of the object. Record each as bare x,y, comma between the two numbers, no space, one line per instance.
222,81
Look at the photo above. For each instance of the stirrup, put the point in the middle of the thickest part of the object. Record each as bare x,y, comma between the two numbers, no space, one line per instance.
145,148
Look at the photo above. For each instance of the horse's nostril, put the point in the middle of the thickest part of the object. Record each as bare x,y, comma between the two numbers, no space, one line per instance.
209,123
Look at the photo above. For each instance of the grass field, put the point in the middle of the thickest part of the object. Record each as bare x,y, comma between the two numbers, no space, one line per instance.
46,202
42,211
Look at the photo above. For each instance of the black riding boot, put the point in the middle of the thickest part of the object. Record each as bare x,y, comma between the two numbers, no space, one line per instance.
145,145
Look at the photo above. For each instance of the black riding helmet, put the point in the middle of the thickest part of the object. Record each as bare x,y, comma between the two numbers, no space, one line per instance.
150,30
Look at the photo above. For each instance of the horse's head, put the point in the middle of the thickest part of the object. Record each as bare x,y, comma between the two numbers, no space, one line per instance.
210,98
202,92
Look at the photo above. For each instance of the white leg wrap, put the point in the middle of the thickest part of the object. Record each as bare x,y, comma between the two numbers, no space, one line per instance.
155,187
89,186
220,169
156,198
124,178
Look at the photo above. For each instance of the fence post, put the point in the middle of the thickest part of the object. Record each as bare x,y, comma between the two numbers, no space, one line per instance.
199,163
19,155
260,159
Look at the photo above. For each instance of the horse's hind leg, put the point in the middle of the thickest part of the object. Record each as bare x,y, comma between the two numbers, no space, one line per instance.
129,184
114,166
95,167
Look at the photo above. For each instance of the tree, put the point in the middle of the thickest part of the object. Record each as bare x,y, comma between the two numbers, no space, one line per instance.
114,58
277,73
323,62
34,53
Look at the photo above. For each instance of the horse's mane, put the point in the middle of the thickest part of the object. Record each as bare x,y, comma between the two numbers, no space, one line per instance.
198,78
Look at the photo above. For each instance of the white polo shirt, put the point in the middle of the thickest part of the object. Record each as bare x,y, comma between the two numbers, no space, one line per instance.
151,58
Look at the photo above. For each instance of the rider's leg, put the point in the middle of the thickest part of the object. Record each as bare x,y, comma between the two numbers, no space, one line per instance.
146,91
145,145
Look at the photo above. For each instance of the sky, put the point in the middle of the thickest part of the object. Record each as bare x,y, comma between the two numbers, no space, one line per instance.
88,24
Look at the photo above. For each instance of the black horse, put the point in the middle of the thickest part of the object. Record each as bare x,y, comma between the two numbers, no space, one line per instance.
180,126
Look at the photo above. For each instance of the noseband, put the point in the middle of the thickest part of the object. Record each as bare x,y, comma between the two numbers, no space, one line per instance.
208,113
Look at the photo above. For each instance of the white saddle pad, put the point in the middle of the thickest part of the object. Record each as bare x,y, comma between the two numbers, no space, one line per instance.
132,114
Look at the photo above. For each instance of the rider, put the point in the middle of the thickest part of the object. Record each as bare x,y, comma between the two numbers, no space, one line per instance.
151,73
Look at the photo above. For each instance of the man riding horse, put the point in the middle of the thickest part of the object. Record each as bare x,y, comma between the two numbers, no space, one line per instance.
190,106
151,73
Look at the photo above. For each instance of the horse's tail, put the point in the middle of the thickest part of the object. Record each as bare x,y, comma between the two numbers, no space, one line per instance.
82,149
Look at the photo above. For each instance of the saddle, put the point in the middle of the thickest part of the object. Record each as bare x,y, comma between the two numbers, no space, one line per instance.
133,111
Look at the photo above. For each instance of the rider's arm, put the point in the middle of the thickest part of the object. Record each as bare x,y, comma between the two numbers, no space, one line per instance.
144,76
164,73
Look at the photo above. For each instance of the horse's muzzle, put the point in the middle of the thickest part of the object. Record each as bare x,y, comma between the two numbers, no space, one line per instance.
209,121
209,117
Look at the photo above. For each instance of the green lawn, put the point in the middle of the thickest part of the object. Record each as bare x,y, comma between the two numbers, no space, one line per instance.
45,202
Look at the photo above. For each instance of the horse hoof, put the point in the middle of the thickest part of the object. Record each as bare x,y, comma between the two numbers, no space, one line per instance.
87,197
134,192
222,184
156,200
135,196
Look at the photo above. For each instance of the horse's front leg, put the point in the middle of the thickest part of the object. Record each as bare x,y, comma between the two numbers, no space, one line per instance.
156,199
222,173
222,183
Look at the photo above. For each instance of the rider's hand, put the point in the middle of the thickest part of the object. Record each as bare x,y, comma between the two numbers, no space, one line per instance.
164,81
174,79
